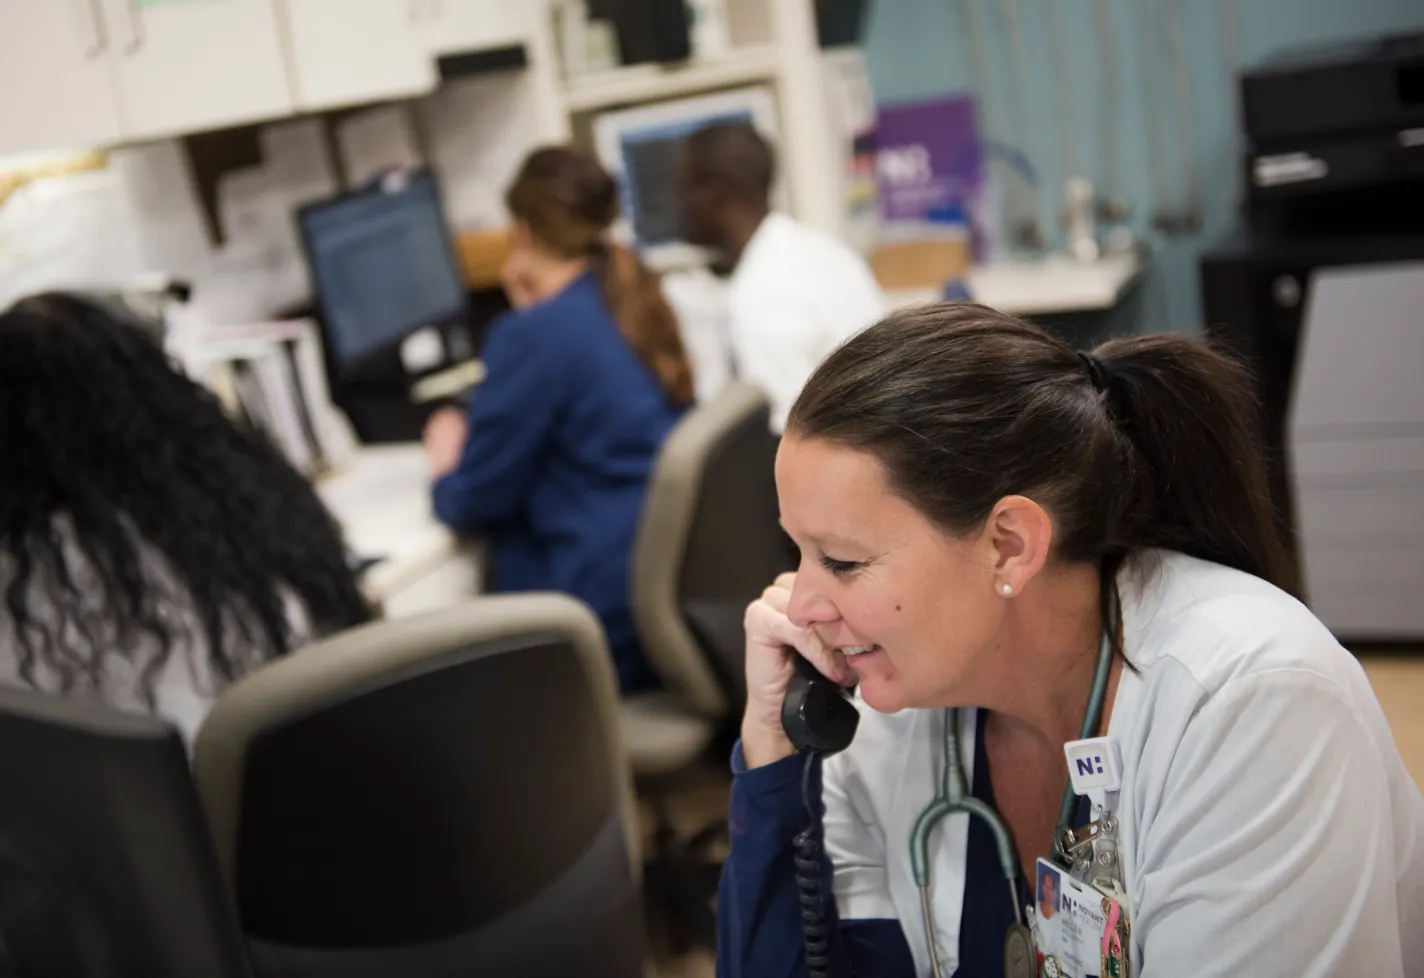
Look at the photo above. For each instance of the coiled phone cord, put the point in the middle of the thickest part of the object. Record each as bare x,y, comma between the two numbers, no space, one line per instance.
814,930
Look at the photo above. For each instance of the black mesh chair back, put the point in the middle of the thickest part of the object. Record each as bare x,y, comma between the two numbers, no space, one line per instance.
443,796
106,866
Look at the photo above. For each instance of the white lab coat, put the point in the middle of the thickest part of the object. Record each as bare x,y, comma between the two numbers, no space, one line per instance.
1267,823
796,294
699,300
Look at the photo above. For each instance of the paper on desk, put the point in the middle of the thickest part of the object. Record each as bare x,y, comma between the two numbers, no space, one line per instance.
378,481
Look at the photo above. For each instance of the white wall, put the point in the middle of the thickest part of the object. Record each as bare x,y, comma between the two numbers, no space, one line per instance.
140,213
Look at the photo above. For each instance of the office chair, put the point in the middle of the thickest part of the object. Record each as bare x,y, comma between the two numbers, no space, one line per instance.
442,795
106,868
708,544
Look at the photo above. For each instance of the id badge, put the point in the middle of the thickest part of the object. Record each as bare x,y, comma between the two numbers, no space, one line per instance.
1078,931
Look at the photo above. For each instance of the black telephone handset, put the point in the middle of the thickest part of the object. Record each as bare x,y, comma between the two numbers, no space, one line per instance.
819,719
817,714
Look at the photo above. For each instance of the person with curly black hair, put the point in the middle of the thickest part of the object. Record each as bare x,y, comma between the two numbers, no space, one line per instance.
151,551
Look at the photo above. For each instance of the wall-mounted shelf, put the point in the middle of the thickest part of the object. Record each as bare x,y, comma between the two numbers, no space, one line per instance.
1027,287
643,83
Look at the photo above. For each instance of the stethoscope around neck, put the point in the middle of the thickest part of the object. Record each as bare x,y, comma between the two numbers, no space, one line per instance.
954,798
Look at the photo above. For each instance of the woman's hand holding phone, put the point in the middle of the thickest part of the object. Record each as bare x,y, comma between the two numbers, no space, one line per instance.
772,640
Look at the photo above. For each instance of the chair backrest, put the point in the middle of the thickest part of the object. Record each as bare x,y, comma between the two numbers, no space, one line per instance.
444,795
106,867
707,545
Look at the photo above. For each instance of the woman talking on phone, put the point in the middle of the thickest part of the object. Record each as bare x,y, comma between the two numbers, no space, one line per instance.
1054,580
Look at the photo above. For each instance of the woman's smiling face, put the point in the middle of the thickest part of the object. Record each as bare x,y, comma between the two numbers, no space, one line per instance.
912,605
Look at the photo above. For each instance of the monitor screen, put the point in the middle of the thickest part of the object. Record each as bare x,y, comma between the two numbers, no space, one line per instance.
650,160
382,266
640,147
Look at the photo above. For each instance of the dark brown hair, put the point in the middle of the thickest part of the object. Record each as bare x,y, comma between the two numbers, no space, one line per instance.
569,202
1151,441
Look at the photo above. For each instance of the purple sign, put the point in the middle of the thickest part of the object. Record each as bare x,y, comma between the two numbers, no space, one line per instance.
928,162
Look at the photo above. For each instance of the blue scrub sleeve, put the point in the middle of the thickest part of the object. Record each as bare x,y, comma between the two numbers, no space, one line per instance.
511,416
759,915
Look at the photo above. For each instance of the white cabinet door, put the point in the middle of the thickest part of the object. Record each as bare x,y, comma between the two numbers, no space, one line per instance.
454,26
459,26
55,89
186,65
346,52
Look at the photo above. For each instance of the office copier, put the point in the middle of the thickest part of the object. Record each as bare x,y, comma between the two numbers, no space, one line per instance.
1321,288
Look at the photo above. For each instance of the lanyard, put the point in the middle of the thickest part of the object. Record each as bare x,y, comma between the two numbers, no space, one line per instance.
954,797
1063,834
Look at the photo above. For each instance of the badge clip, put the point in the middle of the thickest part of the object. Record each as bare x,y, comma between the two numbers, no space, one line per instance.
1095,770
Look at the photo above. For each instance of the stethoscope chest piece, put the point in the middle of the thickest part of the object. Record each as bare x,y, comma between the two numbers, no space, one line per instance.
1020,961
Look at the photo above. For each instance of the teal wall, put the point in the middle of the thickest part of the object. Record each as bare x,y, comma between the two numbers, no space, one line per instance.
917,48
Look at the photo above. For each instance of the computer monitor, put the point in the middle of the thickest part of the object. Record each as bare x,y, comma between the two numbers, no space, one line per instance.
384,269
640,148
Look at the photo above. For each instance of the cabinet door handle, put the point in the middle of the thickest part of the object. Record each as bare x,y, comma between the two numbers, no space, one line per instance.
136,38
86,12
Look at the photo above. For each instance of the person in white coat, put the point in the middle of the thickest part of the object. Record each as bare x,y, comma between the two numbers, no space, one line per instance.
996,531
796,293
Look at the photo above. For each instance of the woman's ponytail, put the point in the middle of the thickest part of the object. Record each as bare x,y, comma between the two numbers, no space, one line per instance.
1195,465
635,297
569,202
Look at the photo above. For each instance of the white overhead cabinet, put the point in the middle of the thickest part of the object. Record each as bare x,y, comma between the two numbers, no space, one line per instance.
346,52
82,73
187,65
55,89
454,26
95,72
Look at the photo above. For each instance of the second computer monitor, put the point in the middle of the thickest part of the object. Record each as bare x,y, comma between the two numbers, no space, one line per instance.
641,148
383,269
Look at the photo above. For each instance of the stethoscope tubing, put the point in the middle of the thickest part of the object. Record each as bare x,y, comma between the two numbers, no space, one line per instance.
953,796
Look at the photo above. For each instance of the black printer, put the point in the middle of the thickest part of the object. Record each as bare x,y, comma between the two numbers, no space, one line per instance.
1321,288
1335,130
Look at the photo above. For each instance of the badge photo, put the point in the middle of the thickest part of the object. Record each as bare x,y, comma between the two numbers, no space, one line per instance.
1078,931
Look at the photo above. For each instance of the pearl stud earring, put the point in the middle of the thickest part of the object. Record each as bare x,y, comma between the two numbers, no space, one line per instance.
1006,589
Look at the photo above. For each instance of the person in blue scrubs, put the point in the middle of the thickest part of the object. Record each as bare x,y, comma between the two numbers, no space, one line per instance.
585,378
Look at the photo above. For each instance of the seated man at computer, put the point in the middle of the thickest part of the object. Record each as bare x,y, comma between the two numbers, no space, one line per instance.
583,385
796,293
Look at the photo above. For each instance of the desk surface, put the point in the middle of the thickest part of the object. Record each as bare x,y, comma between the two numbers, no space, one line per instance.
1052,284
382,501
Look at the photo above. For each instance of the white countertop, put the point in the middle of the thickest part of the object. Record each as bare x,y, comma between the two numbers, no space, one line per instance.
1052,284
382,501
